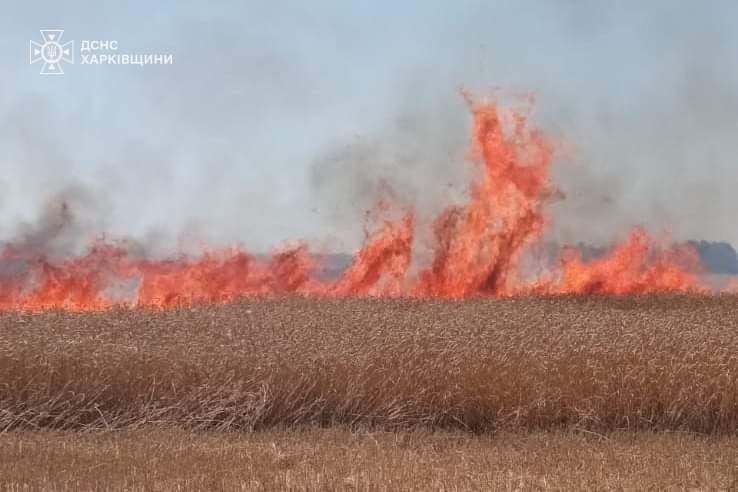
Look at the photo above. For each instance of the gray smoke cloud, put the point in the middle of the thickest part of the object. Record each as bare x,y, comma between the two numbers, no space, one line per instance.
640,97
283,123
654,156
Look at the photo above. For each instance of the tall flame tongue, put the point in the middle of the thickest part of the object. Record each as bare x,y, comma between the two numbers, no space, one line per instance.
379,268
477,252
479,246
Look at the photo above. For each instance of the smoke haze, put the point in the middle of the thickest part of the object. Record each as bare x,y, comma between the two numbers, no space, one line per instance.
282,123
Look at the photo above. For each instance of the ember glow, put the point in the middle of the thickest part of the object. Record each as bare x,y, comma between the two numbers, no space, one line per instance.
478,250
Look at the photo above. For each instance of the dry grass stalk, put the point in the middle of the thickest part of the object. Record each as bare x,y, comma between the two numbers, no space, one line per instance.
595,364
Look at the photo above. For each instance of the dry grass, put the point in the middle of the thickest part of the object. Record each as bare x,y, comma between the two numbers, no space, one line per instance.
335,459
596,364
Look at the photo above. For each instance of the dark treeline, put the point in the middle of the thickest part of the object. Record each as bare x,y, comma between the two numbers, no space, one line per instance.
717,257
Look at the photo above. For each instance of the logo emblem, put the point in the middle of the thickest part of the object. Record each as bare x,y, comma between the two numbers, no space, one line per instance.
52,52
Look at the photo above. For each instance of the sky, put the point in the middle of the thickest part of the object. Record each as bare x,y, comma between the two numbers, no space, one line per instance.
279,121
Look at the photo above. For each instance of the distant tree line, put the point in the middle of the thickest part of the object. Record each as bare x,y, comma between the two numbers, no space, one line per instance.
717,257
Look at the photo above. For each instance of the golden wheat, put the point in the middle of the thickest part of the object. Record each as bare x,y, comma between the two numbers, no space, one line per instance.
337,459
596,364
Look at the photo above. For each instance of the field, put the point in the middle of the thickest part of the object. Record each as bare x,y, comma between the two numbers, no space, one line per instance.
560,392
339,459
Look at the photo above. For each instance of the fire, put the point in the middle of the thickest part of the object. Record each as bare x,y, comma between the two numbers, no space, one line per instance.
477,252
479,245
380,267
638,266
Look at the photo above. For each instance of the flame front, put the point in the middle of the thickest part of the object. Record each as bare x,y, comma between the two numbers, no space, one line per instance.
478,248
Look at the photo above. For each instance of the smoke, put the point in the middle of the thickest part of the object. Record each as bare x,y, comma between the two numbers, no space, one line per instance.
278,124
641,100
655,159
418,157
57,230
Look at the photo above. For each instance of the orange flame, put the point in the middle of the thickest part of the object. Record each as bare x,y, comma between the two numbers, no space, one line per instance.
479,245
477,252
637,266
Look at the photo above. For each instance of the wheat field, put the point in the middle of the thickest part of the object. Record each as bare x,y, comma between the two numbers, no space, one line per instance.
596,364
344,459
565,393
